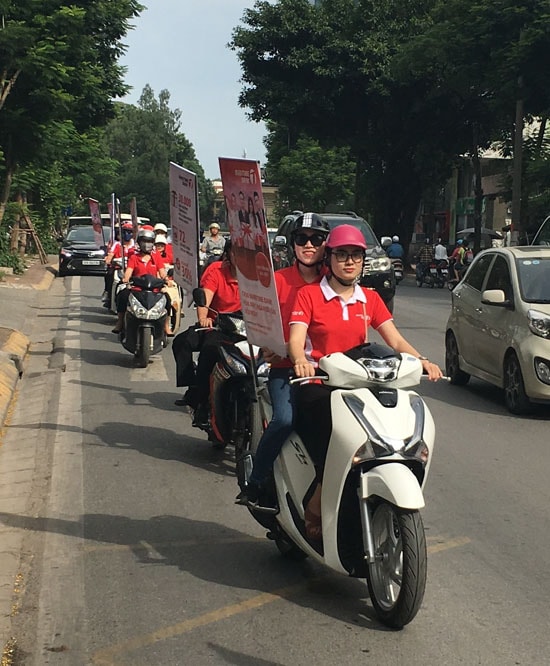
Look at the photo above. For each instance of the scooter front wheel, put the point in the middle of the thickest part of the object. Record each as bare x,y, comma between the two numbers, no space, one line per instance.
397,577
144,349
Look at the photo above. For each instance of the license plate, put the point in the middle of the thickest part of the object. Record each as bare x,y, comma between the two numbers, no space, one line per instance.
444,271
433,271
91,262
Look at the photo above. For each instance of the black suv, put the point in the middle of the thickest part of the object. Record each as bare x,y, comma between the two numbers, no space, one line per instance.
79,253
377,269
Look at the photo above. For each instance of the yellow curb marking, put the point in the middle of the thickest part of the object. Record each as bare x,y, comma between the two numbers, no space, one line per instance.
106,656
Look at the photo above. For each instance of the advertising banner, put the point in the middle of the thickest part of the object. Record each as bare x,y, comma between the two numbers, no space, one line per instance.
96,222
184,220
244,203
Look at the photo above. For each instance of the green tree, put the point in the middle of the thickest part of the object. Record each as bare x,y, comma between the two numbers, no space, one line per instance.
143,139
59,64
313,178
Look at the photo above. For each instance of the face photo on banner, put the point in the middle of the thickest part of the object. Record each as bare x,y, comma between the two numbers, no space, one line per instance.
246,220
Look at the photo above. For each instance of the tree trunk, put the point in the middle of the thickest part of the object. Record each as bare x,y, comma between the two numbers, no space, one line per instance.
478,189
6,191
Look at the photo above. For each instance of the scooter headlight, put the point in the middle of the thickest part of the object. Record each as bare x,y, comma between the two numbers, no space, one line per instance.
138,310
415,447
374,446
233,364
263,369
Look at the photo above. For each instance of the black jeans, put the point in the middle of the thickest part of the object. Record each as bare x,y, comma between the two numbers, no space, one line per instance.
313,421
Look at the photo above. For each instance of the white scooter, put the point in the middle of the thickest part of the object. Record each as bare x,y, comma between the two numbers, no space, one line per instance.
377,463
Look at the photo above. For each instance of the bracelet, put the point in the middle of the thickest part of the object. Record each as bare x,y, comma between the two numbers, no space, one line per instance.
423,358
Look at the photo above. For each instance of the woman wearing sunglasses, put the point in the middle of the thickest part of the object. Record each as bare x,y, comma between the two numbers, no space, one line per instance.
334,316
308,239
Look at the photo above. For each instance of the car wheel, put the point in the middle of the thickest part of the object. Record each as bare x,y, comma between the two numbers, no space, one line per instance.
452,367
515,398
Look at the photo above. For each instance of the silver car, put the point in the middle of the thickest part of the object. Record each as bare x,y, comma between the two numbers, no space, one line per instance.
499,326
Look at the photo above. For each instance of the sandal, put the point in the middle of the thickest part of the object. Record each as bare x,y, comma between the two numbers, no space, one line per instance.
313,525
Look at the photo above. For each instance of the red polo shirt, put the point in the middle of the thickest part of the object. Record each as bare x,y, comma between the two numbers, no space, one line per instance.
288,281
218,279
167,255
140,267
332,325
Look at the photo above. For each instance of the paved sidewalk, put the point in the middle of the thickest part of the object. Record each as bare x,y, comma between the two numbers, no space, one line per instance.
15,312
20,297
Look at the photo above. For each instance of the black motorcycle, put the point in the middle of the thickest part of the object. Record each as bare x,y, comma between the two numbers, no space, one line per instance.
144,321
237,382
398,270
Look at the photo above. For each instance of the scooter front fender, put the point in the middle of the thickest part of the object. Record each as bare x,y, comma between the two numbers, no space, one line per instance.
395,483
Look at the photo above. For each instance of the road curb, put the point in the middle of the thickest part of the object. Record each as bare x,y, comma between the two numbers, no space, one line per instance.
13,351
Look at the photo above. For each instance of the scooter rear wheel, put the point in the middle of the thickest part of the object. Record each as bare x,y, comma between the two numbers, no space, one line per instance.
397,577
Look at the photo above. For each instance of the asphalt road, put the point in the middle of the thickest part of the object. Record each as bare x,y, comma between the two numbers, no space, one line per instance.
135,553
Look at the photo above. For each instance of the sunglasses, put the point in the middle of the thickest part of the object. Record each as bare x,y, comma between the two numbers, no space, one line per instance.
342,256
315,239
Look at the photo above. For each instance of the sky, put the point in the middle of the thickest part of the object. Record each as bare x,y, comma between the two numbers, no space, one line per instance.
180,46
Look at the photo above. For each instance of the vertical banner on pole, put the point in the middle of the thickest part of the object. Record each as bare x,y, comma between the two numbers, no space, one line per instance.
244,203
184,220
96,222
112,217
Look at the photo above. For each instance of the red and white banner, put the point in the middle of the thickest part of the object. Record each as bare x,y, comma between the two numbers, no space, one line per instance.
96,222
184,220
244,203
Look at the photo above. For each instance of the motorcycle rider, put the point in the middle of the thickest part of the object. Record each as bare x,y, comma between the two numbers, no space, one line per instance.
425,258
457,257
308,239
395,250
213,245
164,249
124,246
219,282
328,317
440,251
142,262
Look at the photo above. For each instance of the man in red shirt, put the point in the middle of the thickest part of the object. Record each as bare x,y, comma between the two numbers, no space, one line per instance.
142,262
308,238
221,288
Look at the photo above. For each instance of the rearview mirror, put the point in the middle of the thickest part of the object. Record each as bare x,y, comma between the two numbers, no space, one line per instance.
495,297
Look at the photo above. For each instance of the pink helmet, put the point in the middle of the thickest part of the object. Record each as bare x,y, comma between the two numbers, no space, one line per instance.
346,234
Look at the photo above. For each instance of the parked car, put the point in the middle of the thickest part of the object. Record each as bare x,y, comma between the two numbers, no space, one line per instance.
377,269
499,326
80,254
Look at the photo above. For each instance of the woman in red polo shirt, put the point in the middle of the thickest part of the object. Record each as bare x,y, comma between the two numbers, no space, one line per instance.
143,262
334,316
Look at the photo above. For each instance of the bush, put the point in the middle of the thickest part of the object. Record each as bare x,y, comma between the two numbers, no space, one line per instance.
7,258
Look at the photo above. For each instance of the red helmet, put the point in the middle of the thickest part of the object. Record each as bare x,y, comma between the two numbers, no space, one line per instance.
128,225
346,234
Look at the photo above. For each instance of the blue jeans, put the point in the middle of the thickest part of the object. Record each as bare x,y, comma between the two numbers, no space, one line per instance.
279,427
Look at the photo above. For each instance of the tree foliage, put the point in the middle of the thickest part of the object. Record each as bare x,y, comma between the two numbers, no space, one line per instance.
408,87
143,139
59,64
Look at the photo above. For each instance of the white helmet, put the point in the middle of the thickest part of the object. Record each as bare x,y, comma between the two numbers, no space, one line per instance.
160,228
395,239
161,238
